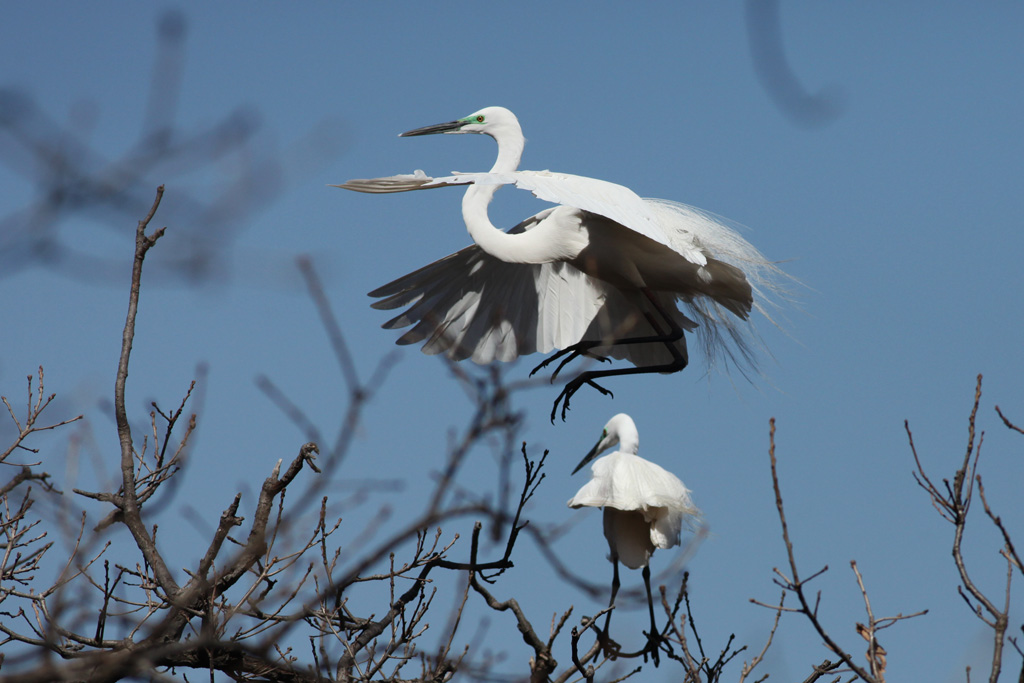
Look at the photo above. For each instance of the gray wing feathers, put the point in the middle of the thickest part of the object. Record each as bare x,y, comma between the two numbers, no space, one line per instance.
395,183
472,305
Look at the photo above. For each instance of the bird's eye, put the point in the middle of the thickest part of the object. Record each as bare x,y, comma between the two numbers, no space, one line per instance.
480,119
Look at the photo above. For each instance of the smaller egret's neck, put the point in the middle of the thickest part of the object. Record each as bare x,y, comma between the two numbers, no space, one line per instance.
629,443
623,427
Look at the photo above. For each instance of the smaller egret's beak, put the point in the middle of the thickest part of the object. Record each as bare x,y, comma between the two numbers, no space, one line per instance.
450,127
589,456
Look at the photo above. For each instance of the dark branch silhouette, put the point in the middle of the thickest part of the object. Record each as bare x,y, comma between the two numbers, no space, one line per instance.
79,187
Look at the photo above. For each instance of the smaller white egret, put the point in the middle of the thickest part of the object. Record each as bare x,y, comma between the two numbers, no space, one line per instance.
645,506
601,274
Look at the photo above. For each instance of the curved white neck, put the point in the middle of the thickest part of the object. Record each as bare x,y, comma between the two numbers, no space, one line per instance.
520,248
629,443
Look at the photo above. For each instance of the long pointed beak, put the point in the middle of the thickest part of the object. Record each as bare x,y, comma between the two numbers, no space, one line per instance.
449,127
589,456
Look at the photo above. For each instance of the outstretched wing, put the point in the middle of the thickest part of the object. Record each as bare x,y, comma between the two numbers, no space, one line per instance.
610,200
472,305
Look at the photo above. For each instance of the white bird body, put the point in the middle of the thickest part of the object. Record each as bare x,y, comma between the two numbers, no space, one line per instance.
645,505
587,275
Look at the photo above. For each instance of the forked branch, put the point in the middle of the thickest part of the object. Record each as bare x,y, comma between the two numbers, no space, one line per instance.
953,503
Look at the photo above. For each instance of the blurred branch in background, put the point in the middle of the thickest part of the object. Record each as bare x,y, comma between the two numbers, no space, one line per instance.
768,54
223,174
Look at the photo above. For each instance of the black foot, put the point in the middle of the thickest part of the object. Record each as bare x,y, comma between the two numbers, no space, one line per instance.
570,388
610,648
652,648
549,360
574,355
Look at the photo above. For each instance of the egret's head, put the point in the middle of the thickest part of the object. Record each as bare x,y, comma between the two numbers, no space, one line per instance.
619,429
493,121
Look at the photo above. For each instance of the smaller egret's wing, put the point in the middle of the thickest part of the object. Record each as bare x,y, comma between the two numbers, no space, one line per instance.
596,493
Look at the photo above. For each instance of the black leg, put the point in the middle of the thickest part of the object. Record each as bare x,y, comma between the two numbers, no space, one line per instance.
653,637
678,362
571,353
615,591
650,600
609,646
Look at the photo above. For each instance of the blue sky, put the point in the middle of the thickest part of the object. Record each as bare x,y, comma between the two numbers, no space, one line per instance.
900,216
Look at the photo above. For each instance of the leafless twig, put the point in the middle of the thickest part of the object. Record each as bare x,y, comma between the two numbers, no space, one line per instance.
953,503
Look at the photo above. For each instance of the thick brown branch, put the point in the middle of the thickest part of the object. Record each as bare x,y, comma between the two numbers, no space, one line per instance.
129,503
543,663
255,544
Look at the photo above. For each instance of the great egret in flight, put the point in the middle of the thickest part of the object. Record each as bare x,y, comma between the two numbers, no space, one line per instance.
598,275
645,506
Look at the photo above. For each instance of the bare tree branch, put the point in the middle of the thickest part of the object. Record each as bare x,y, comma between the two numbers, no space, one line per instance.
953,502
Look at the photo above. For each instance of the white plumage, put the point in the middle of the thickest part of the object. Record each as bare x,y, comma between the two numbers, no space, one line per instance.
645,506
601,274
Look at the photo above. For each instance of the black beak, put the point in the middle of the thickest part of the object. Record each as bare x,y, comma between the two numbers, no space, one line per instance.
450,127
588,457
